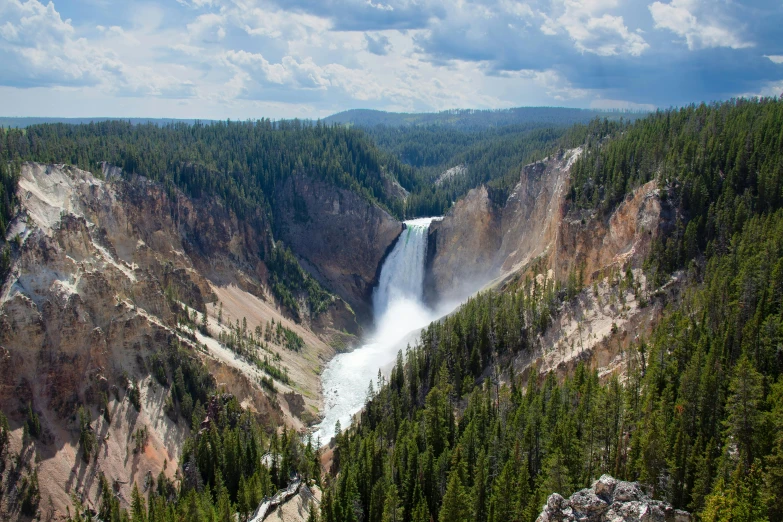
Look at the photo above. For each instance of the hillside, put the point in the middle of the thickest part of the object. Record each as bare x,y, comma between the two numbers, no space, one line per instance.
158,294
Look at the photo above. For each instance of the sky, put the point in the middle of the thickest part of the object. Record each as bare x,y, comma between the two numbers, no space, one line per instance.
247,59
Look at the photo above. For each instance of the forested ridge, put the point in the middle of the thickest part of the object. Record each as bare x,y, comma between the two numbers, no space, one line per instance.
698,417
239,162
242,163
480,119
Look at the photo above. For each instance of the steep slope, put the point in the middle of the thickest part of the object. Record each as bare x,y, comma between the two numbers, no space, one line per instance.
341,237
108,277
482,239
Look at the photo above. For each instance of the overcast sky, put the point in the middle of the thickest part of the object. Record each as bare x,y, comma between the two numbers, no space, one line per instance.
309,58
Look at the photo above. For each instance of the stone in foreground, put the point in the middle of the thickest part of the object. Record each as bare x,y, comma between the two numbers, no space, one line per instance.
610,500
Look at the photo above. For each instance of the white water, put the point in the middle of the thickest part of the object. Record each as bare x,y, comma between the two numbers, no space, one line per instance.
399,314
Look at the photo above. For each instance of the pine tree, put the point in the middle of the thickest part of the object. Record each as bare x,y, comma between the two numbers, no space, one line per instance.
138,506
455,503
392,510
743,408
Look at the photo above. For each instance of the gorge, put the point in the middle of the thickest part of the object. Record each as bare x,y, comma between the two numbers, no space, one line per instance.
180,327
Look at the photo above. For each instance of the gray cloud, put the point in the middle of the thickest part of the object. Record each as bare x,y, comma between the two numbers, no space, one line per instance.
379,45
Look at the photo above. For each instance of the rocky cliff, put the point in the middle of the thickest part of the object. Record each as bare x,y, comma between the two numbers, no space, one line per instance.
107,273
486,240
340,237
481,238
610,500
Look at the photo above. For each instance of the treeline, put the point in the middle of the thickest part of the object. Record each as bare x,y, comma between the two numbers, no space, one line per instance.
717,164
240,161
478,119
497,161
698,417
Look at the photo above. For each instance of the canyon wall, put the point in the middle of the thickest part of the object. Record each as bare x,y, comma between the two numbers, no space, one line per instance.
340,237
103,270
482,239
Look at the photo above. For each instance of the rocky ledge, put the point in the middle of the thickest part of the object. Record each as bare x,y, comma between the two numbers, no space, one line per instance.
610,500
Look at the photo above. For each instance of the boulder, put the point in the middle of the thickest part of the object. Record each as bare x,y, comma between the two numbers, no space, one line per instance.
610,500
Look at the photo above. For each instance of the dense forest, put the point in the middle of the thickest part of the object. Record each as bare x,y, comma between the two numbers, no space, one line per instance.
493,157
488,147
452,435
242,163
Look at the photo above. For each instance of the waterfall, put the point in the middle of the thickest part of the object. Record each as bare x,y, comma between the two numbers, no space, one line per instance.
402,274
399,314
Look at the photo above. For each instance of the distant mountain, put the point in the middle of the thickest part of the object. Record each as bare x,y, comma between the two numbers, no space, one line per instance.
470,119
21,123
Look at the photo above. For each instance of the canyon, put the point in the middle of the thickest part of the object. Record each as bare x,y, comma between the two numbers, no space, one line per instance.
105,265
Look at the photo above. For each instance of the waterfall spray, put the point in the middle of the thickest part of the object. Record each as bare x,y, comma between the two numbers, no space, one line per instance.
399,310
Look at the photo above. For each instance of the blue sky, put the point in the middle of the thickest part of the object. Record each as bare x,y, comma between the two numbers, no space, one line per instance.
309,58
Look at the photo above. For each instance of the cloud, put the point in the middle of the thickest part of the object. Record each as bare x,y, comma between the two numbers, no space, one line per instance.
290,72
594,30
604,104
244,57
699,32
207,28
378,45
43,50
366,15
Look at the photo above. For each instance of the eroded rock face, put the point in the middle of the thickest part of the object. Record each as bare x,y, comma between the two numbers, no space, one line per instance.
463,246
482,239
341,237
610,500
97,276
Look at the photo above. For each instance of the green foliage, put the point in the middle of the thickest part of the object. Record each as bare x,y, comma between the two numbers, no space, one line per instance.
241,163
29,494
32,423
289,280
716,165
87,437
5,439
477,120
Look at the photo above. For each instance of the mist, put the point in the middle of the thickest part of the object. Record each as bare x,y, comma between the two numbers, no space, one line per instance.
401,316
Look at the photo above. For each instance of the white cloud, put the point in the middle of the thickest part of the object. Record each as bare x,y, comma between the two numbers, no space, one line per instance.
768,89
42,49
700,32
604,104
551,82
593,29
774,58
290,72
207,28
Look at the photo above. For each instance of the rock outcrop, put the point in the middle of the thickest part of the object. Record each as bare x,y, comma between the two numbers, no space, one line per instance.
463,247
489,240
610,500
340,237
